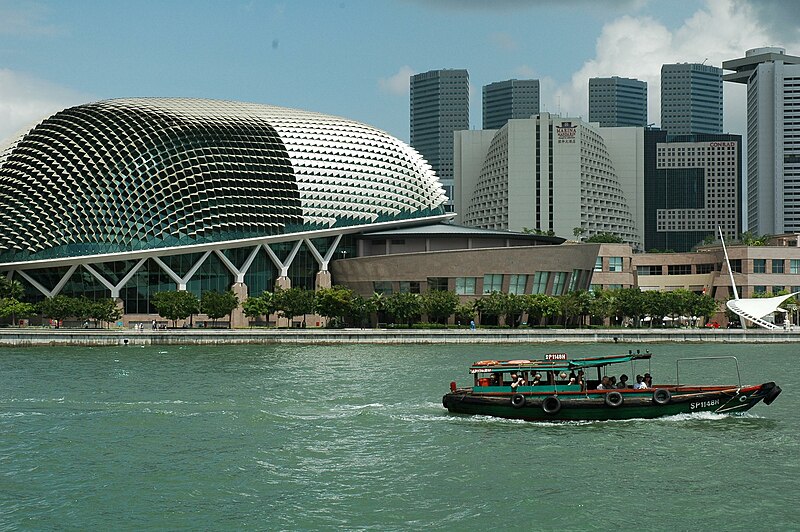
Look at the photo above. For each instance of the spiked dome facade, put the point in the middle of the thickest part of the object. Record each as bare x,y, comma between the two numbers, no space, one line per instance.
128,197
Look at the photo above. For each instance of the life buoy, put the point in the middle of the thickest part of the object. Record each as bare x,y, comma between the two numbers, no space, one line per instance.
517,400
485,363
613,399
551,405
661,396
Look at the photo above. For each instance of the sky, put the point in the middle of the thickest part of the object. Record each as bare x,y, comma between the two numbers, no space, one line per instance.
353,58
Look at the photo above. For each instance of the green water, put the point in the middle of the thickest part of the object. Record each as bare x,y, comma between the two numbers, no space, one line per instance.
354,437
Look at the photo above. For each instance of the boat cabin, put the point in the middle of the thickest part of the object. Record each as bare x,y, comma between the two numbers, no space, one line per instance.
556,373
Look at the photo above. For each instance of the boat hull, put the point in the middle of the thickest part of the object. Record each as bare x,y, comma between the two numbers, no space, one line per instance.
601,406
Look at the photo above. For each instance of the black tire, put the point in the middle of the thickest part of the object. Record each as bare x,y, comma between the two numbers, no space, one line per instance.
614,399
662,396
517,400
551,405
772,392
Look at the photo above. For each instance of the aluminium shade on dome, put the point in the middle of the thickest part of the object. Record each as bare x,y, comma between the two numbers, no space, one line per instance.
146,173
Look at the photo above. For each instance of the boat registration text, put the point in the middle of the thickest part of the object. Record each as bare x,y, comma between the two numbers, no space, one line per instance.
704,404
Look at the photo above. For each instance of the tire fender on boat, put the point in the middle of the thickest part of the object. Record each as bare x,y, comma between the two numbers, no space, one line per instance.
661,396
613,399
771,391
517,400
551,405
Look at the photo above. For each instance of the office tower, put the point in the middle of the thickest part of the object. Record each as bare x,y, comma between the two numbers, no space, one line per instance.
548,174
617,102
439,106
504,100
692,185
691,98
773,138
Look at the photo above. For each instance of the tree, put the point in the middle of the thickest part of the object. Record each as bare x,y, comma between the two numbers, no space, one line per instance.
490,306
404,307
704,305
575,304
104,310
333,303
256,306
464,313
294,302
604,238
215,304
11,289
655,305
360,310
631,304
604,304
439,305
749,238
578,232
515,305
541,306
175,305
58,308
11,307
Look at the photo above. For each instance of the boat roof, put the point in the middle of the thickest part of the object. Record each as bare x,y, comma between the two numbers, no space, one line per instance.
554,362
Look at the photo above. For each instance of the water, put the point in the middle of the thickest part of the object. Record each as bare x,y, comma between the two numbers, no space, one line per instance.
354,437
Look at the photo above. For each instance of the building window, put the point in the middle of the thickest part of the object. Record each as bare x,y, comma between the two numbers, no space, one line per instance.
759,265
648,270
409,287
704,268
598,264
759,289
777,265
573,280
679,269
465,286
540,280
437,284
382,287
559,282
615,264
794,266
777,289
736,265
492,282
517,284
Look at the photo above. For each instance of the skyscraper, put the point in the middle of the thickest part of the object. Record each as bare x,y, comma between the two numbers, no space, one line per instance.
615,102
439,106
504,100
692,185
773,138
691,98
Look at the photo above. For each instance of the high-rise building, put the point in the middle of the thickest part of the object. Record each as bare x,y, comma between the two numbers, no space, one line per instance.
439,106
615,102
504,100
549,173
692,185
691,98
773,138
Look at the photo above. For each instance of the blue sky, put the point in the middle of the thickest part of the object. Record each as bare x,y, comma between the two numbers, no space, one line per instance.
353,57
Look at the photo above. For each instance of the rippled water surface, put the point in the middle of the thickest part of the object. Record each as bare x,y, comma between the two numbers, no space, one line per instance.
355,437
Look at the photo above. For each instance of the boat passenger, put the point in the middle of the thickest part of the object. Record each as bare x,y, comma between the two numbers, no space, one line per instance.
516,381
605,384
613,381
536,379
640,385
581,380
648,381
623,382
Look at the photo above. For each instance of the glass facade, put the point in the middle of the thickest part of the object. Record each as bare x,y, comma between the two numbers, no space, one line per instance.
492,282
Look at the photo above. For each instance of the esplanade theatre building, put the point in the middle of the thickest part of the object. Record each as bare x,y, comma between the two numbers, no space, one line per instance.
128,197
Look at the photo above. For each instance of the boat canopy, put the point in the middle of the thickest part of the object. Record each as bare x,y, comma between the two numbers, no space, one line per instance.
553,365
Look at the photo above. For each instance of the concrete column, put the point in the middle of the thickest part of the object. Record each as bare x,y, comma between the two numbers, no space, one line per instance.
323,280
121,305
282,282
238,319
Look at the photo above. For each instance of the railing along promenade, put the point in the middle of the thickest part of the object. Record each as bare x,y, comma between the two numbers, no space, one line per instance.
26,337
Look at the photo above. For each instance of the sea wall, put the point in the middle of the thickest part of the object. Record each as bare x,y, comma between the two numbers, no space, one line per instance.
23,337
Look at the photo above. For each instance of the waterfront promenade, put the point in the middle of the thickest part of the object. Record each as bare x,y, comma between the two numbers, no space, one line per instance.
24,337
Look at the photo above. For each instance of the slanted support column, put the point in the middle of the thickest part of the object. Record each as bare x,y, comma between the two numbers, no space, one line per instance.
323,280
238,319
283,282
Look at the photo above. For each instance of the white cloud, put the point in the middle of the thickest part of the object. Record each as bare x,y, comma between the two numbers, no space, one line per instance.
636,47
398,83
25,100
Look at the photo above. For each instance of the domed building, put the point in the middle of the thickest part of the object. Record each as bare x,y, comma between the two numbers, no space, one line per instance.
131,196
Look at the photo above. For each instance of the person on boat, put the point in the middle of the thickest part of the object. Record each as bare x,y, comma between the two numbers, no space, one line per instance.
536,379
613,380
640,385
648,381
605,384
516,381
623,382
581,380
